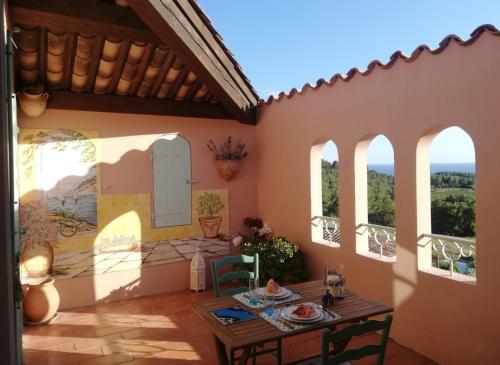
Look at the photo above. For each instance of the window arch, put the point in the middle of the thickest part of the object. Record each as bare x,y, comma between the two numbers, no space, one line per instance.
325,193
446,199
375,203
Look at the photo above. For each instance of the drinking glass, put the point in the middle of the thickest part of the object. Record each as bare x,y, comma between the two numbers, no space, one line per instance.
269,305
253,285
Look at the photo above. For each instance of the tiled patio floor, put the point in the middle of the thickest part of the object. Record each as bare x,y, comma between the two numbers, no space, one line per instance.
159,329
91,262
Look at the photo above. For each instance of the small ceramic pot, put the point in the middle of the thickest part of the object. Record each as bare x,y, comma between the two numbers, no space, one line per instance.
33,104
228,169
210,226
41,302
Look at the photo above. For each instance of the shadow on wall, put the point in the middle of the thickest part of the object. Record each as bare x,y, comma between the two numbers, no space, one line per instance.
109,238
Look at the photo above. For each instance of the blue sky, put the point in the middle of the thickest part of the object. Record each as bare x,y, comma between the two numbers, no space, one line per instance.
283,44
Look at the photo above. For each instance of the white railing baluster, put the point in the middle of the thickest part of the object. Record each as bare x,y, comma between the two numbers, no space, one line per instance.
330,228
382,237
452,249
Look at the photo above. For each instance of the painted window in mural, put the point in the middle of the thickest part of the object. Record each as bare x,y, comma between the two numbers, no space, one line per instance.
63,164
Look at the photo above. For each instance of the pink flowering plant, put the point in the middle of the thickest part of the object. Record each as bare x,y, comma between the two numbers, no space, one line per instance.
279,259
35,225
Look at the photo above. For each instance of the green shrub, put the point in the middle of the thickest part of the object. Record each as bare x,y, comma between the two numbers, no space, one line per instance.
278,259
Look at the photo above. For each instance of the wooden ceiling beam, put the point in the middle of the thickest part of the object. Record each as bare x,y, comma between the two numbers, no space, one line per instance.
82,16
66,100
171,25
120,62
94,63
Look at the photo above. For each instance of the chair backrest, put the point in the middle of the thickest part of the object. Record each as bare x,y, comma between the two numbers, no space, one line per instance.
233,275
358,329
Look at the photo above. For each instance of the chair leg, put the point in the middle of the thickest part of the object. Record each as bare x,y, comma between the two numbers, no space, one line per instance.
278,352
231,357
254,355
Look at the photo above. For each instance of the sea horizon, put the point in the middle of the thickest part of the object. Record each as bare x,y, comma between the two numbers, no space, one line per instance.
435,167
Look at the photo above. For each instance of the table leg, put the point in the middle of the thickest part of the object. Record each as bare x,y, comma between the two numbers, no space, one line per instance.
244,356
220,348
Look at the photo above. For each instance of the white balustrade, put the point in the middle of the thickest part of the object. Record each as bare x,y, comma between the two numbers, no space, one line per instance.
451,249
330,227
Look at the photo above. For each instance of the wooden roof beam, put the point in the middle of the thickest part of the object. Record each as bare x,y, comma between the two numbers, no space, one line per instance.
66,100
170,24
82,16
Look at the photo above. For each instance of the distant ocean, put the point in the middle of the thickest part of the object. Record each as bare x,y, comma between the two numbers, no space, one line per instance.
435,167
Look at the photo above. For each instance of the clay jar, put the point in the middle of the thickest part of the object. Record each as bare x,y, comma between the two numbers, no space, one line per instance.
227,169
33,102
41,301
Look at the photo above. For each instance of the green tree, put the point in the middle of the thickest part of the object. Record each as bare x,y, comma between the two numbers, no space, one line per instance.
454,215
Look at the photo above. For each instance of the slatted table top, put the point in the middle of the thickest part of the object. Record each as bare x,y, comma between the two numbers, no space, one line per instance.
241,334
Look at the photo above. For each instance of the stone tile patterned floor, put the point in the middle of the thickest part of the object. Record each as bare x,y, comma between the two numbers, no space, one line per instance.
92,262
155,330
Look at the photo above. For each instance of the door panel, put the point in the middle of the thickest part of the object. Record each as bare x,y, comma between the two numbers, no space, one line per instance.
172,181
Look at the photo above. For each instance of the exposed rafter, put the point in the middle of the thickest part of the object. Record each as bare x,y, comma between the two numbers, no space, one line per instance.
168,20
82,16
67,100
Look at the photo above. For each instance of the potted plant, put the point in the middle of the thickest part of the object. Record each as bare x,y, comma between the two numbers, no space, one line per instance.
37,235
228,157
41,300
209,208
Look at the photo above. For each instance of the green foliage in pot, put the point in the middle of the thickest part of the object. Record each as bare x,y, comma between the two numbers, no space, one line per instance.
278,259
209,205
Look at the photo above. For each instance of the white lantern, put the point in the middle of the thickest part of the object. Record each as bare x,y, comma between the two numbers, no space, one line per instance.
197,272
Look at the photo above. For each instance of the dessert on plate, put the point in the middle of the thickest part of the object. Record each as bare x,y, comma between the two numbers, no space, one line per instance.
272,287
304,311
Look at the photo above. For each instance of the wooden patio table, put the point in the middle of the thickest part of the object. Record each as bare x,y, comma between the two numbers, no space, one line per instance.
243,335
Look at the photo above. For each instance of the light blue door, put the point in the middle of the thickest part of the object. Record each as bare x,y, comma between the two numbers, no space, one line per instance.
172,181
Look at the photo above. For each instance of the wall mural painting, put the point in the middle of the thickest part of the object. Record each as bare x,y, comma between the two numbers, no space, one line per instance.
59,191
66,178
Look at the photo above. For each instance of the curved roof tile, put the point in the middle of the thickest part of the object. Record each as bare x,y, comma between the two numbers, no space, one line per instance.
392,59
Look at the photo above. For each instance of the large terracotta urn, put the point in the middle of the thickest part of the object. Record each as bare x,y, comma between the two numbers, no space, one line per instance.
210,226
37,258
33,102
41,301
227,169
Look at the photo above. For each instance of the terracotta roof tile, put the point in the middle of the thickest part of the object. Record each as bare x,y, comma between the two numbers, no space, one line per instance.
398,55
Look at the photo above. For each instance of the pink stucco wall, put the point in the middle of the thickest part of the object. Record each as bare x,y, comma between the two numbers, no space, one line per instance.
451,321
125,146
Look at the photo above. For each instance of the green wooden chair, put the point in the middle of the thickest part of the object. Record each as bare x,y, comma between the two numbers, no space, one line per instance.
233,276
343,357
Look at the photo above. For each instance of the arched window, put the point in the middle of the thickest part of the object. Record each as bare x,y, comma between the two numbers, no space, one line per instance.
451,212
325,194
376,235
172,181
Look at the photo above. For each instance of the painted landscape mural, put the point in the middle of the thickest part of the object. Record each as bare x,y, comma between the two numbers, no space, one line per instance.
66,178
69,229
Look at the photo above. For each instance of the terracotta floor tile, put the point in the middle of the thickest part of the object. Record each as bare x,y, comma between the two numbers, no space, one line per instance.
159,329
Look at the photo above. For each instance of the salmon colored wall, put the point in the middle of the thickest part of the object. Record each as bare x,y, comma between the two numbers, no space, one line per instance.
452,322
126,184
126,145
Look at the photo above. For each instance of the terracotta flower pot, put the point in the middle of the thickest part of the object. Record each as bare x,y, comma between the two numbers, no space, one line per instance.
227,169
41,301
37,258
33,104
210,226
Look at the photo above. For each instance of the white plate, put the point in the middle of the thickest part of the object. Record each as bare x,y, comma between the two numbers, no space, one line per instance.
282,292
287,313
